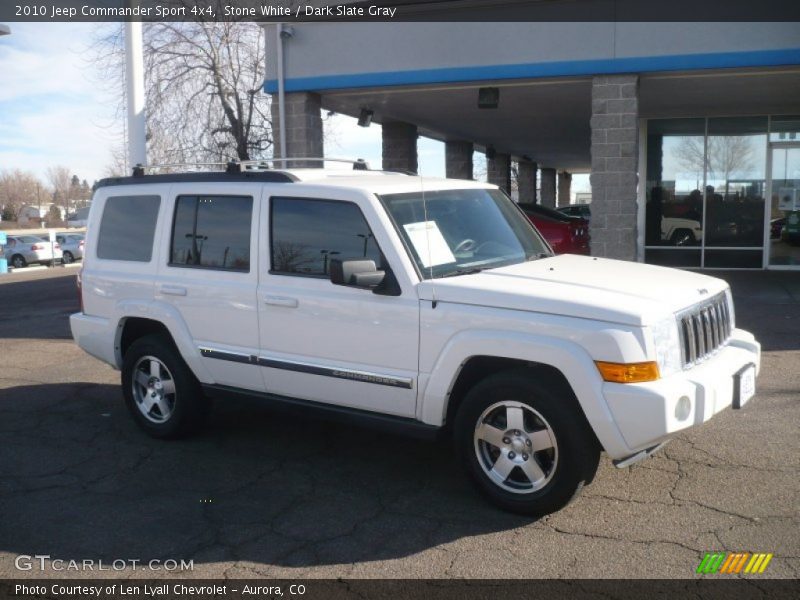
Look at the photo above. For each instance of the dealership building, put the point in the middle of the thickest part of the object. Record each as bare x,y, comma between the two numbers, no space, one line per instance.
690,131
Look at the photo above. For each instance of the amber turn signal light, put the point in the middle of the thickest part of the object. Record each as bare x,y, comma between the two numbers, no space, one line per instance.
628,373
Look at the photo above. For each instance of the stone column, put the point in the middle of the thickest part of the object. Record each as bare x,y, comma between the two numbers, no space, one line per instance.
458,159
549,187
498,171
564,188
303,127
526,181
399,146
614,147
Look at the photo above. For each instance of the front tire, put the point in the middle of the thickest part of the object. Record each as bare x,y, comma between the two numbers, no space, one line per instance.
160,390
18,261
528,449
682,237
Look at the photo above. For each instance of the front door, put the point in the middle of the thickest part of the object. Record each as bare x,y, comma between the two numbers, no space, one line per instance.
784,206
324,342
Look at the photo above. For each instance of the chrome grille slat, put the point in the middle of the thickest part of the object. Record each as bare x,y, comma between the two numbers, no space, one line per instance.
704,329
691,341
712,320
718,324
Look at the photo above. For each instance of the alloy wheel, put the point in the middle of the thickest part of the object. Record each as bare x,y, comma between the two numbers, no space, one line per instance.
153,389
516,447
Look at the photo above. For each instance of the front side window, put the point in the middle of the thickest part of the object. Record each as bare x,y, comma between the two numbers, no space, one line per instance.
306,234
212,232
452,232
128,227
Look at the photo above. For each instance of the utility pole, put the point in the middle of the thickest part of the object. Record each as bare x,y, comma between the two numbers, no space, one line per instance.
134,78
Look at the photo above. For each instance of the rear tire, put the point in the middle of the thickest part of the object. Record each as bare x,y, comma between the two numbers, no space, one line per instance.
161,392
528,448
67,258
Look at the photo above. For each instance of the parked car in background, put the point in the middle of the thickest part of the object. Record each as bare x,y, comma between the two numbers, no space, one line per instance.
79,218
577,210
681,232
566,235
22,250
677,231
71,246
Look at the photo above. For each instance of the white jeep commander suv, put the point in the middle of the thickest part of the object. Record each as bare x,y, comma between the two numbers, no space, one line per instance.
417,305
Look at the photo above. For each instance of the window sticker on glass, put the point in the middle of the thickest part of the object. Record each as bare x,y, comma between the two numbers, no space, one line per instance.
429,243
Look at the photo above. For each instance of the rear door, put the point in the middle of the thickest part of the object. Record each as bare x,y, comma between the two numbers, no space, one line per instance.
208,272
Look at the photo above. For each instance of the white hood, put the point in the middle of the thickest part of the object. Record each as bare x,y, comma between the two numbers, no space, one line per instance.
580,286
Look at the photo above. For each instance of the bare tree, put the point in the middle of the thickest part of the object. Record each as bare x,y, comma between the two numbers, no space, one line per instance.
18,189
203,89
60,180
726,155
289,256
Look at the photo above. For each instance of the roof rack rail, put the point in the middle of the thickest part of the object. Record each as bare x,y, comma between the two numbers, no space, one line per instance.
238,166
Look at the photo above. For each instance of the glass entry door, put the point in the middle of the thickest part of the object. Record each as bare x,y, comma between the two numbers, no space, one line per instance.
784,224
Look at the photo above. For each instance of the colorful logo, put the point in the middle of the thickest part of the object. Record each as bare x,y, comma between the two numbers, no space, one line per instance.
734,562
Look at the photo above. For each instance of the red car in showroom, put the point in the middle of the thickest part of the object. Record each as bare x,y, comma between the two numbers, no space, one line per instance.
566,235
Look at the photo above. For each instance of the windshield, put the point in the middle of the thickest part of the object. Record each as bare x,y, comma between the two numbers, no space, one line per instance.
462,231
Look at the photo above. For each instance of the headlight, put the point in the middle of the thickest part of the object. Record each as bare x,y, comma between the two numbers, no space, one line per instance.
729,298
668,346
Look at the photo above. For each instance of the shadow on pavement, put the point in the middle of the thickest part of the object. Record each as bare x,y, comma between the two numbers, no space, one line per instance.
79,480
38,308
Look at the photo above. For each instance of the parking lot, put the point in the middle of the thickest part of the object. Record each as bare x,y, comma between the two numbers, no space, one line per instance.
260,494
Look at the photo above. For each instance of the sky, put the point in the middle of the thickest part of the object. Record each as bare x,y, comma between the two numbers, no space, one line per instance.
54,110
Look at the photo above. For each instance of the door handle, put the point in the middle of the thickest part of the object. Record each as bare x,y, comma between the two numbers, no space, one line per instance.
281,301
173,290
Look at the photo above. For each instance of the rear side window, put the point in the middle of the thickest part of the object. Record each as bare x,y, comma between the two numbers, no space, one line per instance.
128,227
306,234
212,232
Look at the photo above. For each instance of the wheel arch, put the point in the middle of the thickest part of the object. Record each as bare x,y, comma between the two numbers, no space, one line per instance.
471,356
136,319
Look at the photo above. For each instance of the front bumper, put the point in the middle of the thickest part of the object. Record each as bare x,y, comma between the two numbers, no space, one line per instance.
648,414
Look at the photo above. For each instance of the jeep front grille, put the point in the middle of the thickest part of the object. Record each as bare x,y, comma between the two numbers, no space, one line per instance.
704,329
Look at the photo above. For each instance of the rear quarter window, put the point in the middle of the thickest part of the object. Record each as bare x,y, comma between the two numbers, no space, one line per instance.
127,228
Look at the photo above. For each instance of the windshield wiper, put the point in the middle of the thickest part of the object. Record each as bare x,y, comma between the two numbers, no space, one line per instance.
468,271
538,256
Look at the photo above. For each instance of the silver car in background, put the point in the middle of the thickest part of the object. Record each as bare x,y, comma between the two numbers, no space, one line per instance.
22,250
71,246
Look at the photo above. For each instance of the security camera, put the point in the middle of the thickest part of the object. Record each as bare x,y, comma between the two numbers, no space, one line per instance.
287,31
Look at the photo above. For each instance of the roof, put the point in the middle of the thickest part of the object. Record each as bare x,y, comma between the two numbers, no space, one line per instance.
376,182
379,182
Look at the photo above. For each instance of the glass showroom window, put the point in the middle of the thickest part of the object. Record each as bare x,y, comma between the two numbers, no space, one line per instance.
705,191
674,196
735,191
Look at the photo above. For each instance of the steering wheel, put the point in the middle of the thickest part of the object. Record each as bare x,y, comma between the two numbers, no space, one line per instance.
465,246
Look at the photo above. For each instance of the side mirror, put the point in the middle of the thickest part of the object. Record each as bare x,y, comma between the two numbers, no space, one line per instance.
360,273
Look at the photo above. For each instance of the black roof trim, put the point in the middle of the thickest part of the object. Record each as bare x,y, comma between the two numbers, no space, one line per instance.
202,177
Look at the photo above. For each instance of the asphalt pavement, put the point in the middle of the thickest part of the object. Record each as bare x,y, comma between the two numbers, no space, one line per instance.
259,494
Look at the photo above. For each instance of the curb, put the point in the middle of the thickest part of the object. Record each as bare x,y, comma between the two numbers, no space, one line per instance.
37,268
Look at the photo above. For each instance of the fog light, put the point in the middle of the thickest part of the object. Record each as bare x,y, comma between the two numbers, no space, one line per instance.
683,408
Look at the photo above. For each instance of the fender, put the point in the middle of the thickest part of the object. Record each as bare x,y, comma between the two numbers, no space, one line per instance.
569,358
172,320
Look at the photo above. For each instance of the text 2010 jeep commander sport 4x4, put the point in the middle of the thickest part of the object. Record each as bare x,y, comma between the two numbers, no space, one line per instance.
415,304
